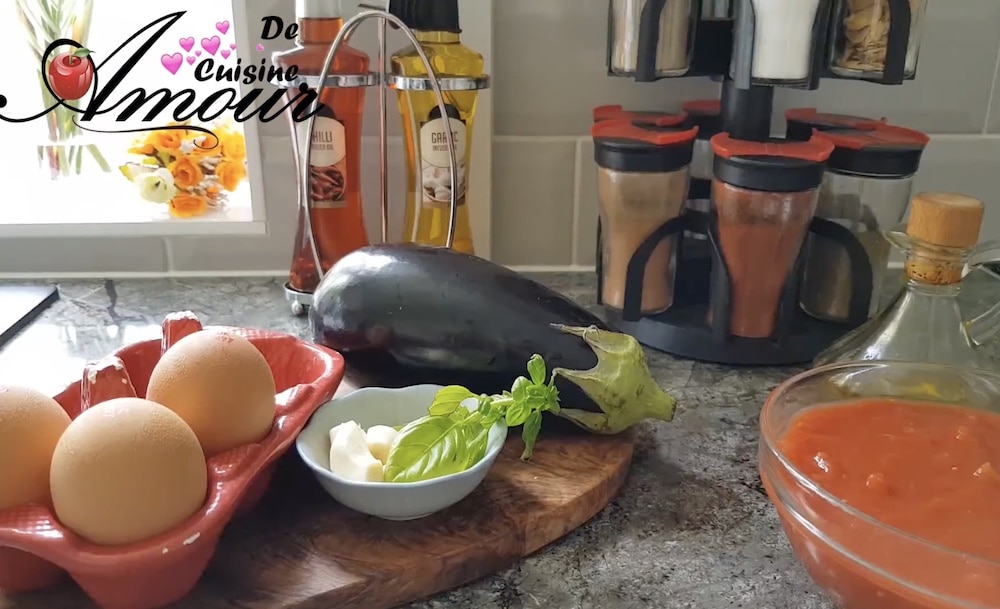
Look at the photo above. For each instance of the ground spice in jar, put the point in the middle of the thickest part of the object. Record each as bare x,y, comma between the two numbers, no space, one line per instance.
760,235
633,205
642,181
764,195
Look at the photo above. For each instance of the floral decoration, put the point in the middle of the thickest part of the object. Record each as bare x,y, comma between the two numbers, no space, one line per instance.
182,169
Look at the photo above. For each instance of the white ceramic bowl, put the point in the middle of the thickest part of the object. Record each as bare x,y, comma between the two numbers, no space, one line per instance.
389,500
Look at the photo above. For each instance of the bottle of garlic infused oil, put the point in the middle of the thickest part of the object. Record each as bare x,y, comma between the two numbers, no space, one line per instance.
428,206
336,214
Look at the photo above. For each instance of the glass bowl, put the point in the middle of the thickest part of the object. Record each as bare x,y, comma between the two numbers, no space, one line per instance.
860,562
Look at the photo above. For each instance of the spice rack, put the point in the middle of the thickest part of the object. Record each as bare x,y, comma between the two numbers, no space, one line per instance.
726,48
382,79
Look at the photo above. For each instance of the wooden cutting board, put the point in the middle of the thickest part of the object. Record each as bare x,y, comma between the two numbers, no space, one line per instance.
299,549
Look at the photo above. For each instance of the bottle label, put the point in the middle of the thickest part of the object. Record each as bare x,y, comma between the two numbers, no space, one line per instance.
328,162
435,173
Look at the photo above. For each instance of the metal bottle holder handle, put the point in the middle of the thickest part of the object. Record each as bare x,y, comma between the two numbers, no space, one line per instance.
383,79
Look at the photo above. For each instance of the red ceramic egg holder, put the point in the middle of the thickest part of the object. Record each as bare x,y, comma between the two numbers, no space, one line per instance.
36,551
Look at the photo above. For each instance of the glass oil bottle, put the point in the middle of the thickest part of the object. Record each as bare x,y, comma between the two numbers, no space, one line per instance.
336,215
428,203
924,322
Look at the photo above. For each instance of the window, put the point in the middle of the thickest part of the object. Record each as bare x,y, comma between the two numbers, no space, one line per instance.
74,181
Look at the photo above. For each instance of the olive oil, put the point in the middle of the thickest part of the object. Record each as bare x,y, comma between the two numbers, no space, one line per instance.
428,203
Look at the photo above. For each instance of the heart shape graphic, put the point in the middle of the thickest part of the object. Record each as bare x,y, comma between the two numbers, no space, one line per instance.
191,59
187,43
222,26
197,53
260,47
172,62
211,45
233,46
226,53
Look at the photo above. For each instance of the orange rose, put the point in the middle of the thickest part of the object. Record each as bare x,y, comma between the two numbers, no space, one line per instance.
144,149
187,173
230,174
188,206
167,140
212,191
234,146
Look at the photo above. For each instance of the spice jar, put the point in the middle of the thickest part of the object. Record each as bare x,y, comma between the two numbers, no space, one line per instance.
650,39
642,181
800,123
777,40
872,38
866,189
662,119
764,195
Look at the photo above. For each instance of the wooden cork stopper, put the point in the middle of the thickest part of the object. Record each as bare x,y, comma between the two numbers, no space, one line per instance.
942,219
945,219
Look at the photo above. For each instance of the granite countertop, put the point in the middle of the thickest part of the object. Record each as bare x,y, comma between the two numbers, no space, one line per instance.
691,528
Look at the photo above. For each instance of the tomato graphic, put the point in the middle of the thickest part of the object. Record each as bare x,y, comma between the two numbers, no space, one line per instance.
71,74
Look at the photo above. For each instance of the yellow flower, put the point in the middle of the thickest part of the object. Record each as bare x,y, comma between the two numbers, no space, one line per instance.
167,140
230,174
234,146
188,206
186,172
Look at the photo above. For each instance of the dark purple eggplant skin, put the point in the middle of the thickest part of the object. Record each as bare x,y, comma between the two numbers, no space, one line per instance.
408,314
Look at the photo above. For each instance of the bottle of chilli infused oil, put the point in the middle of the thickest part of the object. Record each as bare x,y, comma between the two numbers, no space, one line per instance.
428,207
335,164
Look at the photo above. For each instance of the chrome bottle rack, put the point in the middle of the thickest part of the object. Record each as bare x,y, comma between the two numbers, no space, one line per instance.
384,80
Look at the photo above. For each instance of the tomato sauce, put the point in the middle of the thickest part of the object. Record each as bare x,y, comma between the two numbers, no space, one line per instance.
930,471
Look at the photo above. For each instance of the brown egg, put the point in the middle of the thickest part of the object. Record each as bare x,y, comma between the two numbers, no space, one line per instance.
31,424
127,470
221,385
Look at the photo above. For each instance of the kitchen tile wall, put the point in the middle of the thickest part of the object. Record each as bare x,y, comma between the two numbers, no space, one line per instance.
549,73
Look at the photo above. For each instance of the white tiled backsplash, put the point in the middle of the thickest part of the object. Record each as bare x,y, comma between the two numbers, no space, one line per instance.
549,65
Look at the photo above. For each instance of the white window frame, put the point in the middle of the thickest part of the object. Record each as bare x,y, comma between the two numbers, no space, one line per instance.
270,228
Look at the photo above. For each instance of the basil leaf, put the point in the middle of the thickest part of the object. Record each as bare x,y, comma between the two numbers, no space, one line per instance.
459,414
536,369
428,448
517,414
519,390
479,441
448,400
529,434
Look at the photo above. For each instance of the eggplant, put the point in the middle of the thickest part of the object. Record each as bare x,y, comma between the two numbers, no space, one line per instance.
408,314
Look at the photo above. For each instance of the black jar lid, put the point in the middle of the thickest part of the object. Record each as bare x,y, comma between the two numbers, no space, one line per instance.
885,152
706,114
773,166
642,147
801,122
428,15
661,119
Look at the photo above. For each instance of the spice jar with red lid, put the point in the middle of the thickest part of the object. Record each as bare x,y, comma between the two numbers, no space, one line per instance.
763,198
642,182
866,190
616,112
800,123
